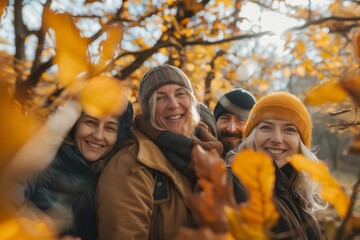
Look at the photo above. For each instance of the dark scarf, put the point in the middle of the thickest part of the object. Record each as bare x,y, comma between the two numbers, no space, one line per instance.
176,147
294,222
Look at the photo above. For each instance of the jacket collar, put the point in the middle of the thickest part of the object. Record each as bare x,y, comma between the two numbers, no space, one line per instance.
151,156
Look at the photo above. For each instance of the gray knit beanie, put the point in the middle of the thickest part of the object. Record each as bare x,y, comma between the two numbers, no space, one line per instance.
156,78
238,102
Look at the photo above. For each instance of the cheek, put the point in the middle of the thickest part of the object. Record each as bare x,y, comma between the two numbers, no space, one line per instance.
295,143
79,133
259,138
159,108
111,139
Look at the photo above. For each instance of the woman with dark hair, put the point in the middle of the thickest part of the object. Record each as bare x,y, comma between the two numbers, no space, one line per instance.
68,185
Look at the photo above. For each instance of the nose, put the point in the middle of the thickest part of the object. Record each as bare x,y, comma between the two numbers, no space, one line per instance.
231,127
173,102
276,136
99,133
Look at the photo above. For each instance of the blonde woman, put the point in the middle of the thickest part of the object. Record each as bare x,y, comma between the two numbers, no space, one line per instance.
141,193
280,126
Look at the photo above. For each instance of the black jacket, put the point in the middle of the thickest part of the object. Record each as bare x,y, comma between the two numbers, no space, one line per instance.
294,222
70,182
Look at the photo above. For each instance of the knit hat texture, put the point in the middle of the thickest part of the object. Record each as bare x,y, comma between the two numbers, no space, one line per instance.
281,106
237,101
158,77
207,117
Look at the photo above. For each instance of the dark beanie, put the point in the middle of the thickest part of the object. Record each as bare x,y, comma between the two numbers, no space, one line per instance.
156,78
207,117
238,102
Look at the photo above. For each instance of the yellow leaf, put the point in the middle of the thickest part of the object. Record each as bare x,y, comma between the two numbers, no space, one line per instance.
103,96
300,70
110,45
256,171
239,229
15,124
12,227
331,189
330,91
71,48
287,72
300,49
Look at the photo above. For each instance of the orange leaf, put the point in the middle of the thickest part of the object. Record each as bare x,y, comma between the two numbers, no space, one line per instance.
256,171
331,189
351,84
15,124
71,48
356,44
103,96
3,3
109,46
330,91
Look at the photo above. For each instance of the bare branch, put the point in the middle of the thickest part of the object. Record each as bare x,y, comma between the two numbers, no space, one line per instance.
322,20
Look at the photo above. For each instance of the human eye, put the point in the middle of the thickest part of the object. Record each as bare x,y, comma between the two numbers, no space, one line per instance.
111,128
241,120
291,129
180,93
90,122
160,97
265,126
223,118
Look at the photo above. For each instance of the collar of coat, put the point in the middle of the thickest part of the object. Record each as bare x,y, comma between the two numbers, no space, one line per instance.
150,155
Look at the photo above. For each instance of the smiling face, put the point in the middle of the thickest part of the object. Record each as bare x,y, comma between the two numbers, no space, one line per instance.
94,137
230,129
172,107
278,139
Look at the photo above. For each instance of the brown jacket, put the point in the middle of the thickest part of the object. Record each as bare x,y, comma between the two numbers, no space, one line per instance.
125,204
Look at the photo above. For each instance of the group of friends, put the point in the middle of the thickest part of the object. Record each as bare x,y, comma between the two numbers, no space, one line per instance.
126,177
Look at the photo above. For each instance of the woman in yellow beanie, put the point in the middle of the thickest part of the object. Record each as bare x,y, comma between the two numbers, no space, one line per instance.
280,126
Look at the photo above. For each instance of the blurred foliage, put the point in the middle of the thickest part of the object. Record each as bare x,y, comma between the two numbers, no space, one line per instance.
255,218
50,56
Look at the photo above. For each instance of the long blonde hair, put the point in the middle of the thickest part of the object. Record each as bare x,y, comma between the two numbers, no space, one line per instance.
303,186
192,115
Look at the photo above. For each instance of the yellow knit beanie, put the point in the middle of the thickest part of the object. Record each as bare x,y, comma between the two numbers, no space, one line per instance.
281,106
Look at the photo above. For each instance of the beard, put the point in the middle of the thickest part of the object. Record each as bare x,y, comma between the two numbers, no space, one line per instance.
229,145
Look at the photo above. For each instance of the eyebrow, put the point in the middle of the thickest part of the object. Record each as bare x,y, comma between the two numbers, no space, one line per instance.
177,90
93,118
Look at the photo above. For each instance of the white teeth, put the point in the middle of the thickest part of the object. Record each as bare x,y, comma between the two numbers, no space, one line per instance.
94,145
275,151
175,117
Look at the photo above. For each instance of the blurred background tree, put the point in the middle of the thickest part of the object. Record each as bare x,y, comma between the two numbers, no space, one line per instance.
259,45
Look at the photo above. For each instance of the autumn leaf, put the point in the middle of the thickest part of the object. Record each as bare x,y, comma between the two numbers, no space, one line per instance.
71,48
103,96
351,83
15,124
356,44
354,147
12,227
3,3
329,91
331,189
109,46
256,171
